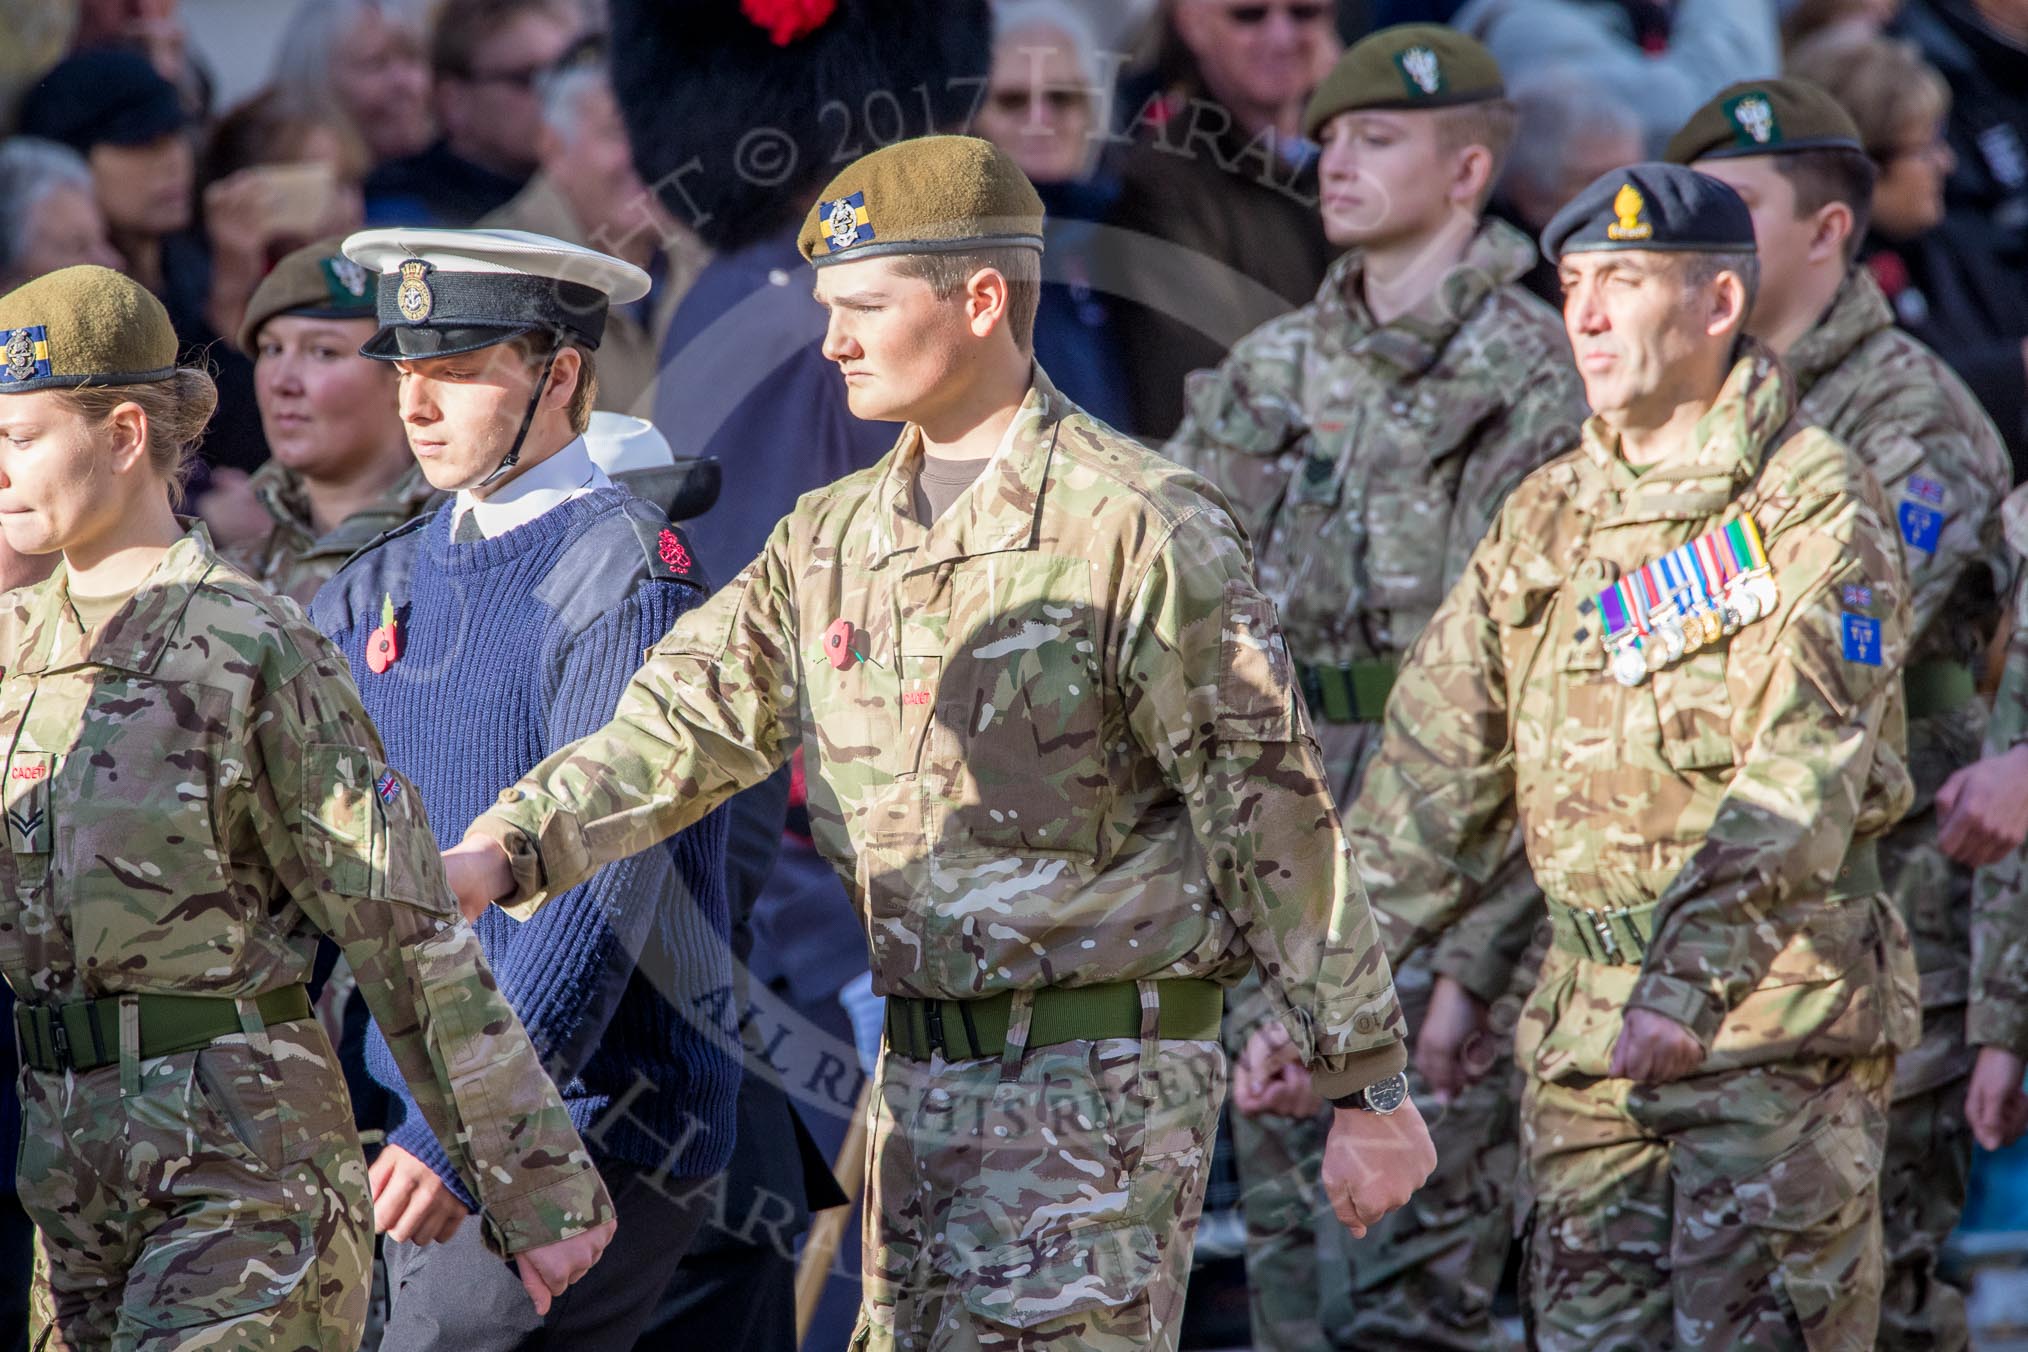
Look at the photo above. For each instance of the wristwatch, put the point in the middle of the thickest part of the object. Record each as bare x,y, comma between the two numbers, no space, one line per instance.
1382,1096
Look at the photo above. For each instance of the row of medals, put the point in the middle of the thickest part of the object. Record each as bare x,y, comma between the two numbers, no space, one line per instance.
1689,617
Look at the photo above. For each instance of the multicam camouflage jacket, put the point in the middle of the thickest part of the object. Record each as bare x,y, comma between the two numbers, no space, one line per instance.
1726,788
292,560
1999,1012
1945,470
193,794
1369,459
1050,740
1365,460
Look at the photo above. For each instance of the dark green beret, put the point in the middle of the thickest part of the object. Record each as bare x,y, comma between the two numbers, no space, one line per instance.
1763,117
316,282
83,325
934,194
1651,206
1411,65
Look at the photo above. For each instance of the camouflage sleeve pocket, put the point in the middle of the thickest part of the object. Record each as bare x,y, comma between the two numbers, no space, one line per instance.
1256,689
364,831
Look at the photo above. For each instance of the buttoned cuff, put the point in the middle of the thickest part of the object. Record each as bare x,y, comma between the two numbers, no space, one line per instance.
1486,971
524,859
570,1206
1686,1002
1997,1023
1346,1075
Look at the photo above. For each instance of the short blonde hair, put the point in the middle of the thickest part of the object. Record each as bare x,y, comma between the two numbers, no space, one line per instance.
178,410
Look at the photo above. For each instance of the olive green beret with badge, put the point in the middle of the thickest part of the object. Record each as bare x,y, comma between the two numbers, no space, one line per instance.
1408,66
1661,207
1763,117
83,325
316,281
933,194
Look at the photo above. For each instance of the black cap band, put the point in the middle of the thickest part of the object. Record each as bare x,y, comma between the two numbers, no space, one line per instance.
461,311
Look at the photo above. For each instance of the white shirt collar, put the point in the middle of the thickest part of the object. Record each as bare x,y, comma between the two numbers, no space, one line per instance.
568,474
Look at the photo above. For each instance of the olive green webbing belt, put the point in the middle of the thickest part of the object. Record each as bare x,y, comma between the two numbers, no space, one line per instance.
1621,934
964,1030
1937,687
85,1034
1350,692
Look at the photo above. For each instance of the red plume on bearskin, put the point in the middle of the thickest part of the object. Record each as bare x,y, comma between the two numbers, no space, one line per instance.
787,21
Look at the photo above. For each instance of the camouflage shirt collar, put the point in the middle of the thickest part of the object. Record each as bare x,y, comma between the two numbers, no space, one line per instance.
280,490
1857,312
1732,438
997,513
136,636
1413,342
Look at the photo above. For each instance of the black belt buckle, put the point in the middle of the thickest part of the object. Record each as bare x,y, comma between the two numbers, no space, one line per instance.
59,1040
933,1021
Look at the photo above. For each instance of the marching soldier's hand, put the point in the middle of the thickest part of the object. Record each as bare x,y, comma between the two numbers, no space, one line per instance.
1455,1044
1654,1049
410,1203
547,1272
1374,1162
1271,1078
1983,809
1995,1105
479,872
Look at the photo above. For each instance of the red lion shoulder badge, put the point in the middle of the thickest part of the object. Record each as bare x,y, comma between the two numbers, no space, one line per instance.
670,546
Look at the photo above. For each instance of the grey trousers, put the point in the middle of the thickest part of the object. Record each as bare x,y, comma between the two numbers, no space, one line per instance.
458,1297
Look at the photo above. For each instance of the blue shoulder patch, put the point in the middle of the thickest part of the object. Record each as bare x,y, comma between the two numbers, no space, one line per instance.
1920,525
1862,639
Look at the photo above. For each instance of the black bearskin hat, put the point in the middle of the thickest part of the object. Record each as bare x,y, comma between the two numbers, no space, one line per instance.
739,111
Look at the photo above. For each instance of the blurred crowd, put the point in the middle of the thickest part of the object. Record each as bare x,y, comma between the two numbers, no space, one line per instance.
1146,124
1164,135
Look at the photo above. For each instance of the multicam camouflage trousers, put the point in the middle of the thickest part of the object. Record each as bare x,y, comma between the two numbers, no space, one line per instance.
222,1204
1039,1201
1738,1209
1423,1278
1929,1144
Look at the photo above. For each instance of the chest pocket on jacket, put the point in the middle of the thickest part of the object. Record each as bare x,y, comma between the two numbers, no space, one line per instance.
134,827
1694,711
1020,706
1411,464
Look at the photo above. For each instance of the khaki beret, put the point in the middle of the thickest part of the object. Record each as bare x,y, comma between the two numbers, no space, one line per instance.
1651,207
316,282
934,194
1411,65
83,325
1763,117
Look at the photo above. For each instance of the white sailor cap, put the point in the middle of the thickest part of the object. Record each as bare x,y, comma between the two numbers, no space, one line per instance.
449,291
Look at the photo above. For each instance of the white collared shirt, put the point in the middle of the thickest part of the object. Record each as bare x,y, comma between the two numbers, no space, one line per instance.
568,474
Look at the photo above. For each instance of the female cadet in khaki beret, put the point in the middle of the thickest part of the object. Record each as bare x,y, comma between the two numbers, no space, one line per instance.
192,793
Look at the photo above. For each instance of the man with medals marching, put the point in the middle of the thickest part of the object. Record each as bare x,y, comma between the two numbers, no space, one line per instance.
1794,156
1365,442
1674,662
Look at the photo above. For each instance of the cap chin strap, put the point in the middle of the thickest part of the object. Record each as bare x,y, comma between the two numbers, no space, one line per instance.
513,456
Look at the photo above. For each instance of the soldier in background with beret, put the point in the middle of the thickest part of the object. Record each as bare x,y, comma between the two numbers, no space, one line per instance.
1674,663
1053,742
1795,158
341,473
193,797
1365,442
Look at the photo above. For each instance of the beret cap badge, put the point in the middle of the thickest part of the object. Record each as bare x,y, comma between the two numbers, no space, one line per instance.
412,296
1425,74
847,222
1753,118
24,354
1627,206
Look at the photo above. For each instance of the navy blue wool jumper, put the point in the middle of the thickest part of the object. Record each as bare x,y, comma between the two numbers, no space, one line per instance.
509,648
